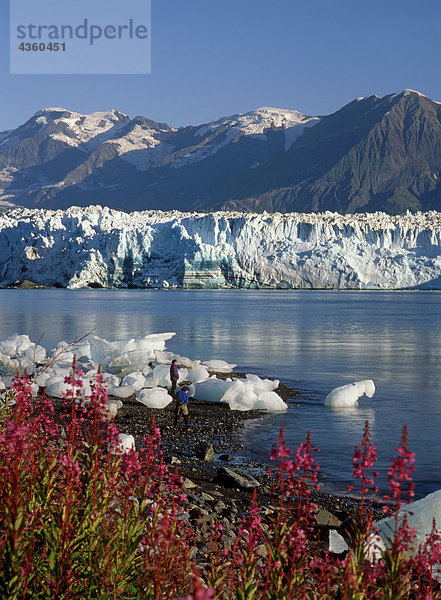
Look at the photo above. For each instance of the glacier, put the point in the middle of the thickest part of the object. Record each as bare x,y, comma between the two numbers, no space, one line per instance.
100,247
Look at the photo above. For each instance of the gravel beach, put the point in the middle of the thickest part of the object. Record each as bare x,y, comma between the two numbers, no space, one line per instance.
201,456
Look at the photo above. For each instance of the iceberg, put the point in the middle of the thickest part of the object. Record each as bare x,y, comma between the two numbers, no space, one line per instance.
101,350
8,364
35,353
110,380
347,396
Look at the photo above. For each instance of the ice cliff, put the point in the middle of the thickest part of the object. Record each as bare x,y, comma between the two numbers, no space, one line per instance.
100,247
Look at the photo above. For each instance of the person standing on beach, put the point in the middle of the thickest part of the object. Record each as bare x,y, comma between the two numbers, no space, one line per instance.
182,405
174,376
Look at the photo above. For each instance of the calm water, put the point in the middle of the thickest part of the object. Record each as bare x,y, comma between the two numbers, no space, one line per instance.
313,341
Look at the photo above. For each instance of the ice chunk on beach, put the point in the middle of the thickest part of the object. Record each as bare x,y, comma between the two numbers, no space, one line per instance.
147,370
126,442
154,398
211,390
128,362
110,410
8,364
136,380
62,369
348,395
263,385
198,373
165,358
271,402
35,353
42,377
220,366
183,374
121,392
155,341
191,390
56,387
125,345
109,380
25,363
12,365
148,343
8,380
101,351
337,543
240,396
61,352
151,382
420,515
15,344
162,375
253,395
21,347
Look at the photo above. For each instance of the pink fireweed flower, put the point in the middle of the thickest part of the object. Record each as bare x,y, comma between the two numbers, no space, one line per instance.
297,476
400,472
71,470
364,459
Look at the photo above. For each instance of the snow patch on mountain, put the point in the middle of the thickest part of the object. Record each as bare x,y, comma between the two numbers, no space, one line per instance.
91,129
255,122
98,246
142,147
221,132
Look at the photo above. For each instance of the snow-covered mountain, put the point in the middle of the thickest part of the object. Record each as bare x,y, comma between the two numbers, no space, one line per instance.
60,157
373,154
101,247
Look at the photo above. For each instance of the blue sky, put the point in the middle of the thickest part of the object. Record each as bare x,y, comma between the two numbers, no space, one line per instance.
212,58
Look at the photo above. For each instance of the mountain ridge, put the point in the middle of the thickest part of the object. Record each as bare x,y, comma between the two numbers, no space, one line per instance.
372,154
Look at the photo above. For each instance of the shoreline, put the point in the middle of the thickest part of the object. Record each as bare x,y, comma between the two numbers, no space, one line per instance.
209,499
31,285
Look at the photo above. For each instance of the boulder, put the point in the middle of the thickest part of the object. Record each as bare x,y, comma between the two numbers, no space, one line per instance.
229,478
205,451
325,518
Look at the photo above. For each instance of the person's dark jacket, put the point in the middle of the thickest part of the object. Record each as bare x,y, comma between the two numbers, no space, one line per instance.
174,373
182,397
